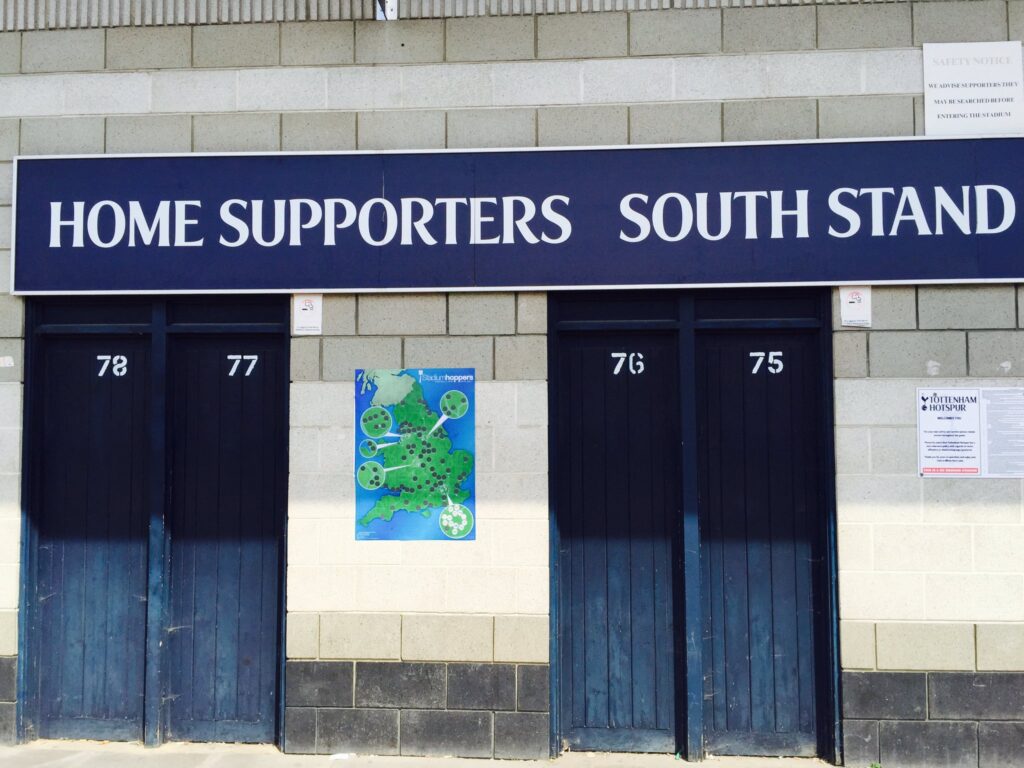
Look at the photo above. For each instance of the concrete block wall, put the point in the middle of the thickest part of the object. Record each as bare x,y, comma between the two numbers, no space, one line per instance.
417,708
504,571
10,508
410,625
931,580
8,698
12,320
605,78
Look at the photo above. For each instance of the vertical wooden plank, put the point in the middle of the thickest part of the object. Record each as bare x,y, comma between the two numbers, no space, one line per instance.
665,525
734,547
569,409
595,552
619,508
758,532
75,534
256,507
805,510
691,656
274,473
156,541
577,484
124,634
203,533
253,509
227,512
62,595
96,597
185,468
711,541
829,706
641,437
787,437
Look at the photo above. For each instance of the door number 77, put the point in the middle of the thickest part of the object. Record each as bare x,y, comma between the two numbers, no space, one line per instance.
774,361
251,359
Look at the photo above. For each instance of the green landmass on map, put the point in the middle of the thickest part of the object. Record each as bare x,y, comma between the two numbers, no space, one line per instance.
420,468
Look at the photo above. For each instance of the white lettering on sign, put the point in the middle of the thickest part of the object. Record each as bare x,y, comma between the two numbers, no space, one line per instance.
107,224
970,212
674,216
412,221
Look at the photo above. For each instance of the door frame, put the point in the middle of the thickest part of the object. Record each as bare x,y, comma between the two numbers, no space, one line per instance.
689,663
158,328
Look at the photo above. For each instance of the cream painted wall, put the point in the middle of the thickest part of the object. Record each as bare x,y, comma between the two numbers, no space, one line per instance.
931,569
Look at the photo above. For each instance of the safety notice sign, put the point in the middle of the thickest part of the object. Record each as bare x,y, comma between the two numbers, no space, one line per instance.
976,432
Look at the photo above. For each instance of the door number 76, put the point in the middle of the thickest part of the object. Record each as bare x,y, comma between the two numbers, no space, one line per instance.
251,359
774,361
636,362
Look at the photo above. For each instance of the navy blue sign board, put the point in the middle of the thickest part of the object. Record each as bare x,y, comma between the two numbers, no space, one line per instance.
742,214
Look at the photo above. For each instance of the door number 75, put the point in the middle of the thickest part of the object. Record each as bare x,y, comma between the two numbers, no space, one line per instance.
774,361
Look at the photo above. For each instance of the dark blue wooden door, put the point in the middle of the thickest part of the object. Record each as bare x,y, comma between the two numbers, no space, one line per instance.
88,600
758,417
228,438
617,502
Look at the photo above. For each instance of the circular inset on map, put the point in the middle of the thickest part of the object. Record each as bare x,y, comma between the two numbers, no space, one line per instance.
370,475
375,421
456,521
368,449
454,404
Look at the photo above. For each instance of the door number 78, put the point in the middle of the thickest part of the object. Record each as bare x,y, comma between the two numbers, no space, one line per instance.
251,359
774,361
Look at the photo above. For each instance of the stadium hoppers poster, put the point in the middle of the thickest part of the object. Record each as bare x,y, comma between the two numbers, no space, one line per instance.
415,454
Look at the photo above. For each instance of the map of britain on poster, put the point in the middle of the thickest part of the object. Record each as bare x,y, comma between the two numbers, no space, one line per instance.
415,454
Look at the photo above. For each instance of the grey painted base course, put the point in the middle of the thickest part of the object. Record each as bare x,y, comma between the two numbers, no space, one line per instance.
417,708
934,719
8,694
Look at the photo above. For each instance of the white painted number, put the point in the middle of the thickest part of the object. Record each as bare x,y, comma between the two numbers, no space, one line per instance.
118,364
636,362
774,361
237,359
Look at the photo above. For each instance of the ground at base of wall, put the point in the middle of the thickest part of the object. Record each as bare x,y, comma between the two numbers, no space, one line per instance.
81,754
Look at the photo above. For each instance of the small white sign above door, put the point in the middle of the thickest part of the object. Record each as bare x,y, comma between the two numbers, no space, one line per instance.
855,306
307,314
